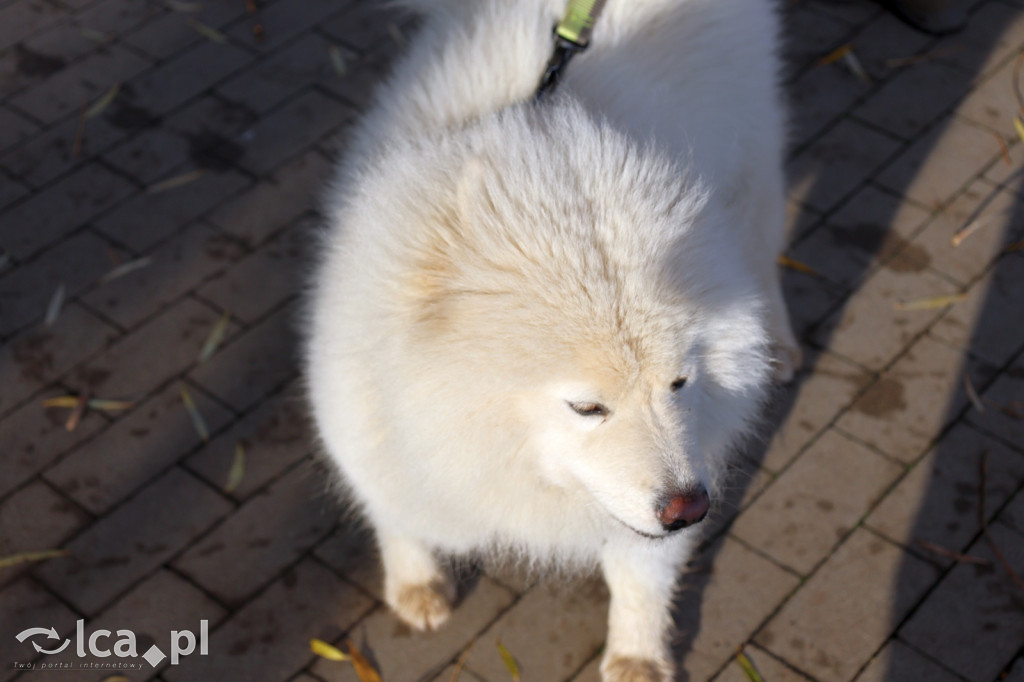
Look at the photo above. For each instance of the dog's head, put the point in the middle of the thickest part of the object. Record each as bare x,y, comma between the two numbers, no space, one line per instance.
584,295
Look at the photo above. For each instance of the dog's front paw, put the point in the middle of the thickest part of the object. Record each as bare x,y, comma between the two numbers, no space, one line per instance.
786,361
629,669
424,607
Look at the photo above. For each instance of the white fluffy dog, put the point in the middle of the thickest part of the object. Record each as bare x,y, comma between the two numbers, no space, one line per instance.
538,327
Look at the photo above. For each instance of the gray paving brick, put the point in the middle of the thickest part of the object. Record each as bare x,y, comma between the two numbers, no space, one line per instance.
269,532
134,450
146,219
982,600
25,604
869,329
848,608
769,667
1017,673
897,661
170,33
1012,515
997,217
159,604
911,403
364,26
165,35
140,362
351,550
404,656
115,17
35,518
808,299
274,203
258,363
26,292
32,437
449,673
149,155
264,279
590,673
52,153
14,128
804,514
274,436
282,21
885,38
363,73
80,84
992,104
818,35
33,60
1005,393
729,605
21,19
269,637
938,499
826,386
1003,172
941,162
551,631
11,190
122,547
994,32
178,265
282,74
854,12
978,323
800,220
47,216
301,122
871,227
39,355
899,107
185,75
819,97
214,119
850,152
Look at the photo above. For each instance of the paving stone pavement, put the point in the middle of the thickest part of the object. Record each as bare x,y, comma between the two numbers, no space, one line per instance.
180,145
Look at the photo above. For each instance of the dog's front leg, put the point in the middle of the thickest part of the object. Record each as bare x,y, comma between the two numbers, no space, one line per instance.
641,576
417,588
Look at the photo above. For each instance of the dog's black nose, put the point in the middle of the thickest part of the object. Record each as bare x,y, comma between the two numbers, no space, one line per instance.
683,508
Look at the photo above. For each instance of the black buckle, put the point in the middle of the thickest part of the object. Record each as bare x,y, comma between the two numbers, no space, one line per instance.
564,51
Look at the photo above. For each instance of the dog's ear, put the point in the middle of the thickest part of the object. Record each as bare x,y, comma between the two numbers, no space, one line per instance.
445,242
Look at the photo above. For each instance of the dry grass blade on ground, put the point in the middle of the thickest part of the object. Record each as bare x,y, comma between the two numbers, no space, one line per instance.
508,659
930,303
193,412
215,337
125,268
748,667
26,557
237,471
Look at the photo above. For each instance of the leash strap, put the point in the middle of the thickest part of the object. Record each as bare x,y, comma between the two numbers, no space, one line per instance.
572,35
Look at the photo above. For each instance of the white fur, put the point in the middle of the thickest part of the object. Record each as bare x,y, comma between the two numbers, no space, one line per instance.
489,261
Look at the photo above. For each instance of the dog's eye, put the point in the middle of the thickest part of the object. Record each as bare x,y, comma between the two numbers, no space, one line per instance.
589,409
678,384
